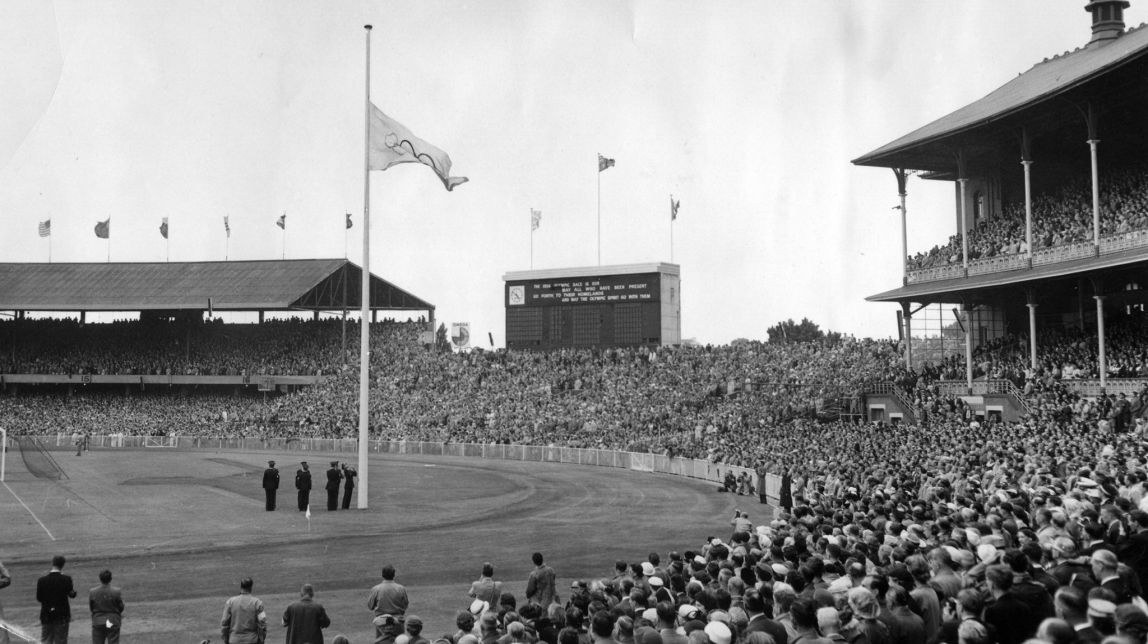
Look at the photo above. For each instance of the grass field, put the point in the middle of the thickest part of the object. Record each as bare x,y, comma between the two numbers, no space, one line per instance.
179,529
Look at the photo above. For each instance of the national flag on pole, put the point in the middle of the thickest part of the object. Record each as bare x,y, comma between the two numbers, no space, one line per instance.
103,228
227,226
46,228
282,221
348,220
391,143
163,228
604,163
535,219
674,208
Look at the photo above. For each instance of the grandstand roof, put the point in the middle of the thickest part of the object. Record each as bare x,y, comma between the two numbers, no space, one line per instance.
932,147
265,285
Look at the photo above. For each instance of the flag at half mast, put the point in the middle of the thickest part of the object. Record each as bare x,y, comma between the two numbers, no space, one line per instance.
391,143
163,228
349,220
103,228
46,228
282,221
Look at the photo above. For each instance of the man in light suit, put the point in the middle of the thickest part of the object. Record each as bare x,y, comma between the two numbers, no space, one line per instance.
107,606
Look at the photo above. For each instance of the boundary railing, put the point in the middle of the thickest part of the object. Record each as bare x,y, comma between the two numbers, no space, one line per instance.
1064,253
636,461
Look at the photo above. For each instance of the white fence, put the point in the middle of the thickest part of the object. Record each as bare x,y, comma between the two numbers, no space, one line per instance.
637,461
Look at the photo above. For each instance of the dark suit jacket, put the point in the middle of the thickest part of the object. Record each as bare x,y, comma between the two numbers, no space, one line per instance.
333,478
53,591
271,479
768,626
305,621
107,605
303,480
1012,619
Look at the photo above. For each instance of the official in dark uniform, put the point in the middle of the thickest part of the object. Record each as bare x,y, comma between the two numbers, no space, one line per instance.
270,484
334,477
303,485
349,475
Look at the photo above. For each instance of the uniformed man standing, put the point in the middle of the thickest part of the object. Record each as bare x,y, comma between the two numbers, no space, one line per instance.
349,475
303,485
270,484
334,477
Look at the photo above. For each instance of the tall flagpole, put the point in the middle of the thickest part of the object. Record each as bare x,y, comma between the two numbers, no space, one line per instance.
364,313
531,239
599,210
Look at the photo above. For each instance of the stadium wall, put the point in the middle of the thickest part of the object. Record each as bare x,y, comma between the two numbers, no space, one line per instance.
637,461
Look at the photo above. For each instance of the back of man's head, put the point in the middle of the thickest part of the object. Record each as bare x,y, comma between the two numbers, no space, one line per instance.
602,625
388,572
536,558
58,561
246,584
105,576
1016,560
1071,603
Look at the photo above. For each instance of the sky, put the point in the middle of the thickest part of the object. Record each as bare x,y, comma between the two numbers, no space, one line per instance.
747,112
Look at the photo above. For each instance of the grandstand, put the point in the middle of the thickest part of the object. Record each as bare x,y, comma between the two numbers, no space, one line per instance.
169,343
1049,241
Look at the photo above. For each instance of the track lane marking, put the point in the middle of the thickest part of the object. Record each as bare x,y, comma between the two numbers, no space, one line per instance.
17,497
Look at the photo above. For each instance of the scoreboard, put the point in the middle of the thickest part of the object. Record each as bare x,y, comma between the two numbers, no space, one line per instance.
605,306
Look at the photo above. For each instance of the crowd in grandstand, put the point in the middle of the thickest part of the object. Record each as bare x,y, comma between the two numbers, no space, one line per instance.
1059,218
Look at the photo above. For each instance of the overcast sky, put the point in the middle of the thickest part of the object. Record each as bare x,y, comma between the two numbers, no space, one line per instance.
748,112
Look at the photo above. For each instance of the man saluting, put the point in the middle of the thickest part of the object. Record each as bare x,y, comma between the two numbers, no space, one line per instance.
334,478
270,484
303,485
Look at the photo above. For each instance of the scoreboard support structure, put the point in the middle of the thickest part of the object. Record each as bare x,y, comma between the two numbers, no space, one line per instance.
627,305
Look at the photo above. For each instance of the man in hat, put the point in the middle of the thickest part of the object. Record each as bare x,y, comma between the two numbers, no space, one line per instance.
349,474
303,486
305,619
334,478
270,484
1105,570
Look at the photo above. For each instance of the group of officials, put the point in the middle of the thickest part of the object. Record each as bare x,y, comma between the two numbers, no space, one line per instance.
338,474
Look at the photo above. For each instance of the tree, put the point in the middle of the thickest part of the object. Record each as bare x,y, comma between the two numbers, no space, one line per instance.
805,331
441,341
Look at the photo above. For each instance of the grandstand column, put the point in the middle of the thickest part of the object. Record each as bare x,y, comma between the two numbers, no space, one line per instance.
1032,328
1102,361
1026,161
902,178
963,180
967,307
1093,142
907,316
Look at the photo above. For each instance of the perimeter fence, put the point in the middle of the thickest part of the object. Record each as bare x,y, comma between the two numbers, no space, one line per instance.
636,461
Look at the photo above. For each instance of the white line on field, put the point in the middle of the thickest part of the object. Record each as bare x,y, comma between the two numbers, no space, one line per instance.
31,512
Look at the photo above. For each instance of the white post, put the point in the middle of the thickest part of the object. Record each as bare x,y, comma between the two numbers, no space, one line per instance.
1028,205
365,305
1092,143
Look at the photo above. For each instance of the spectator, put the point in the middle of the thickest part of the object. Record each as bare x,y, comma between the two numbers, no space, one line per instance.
305,618
53,591
107,606
244,617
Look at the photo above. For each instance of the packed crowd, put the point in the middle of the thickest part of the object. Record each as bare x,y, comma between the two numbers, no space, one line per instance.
1058,218
65,346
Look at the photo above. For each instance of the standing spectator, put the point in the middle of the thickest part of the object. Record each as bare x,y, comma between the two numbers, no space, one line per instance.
389,602
5,581
414,628
53,591
107,606
270,484
486,588
244,617
349,475
334,478
542,586
303,485
305,619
